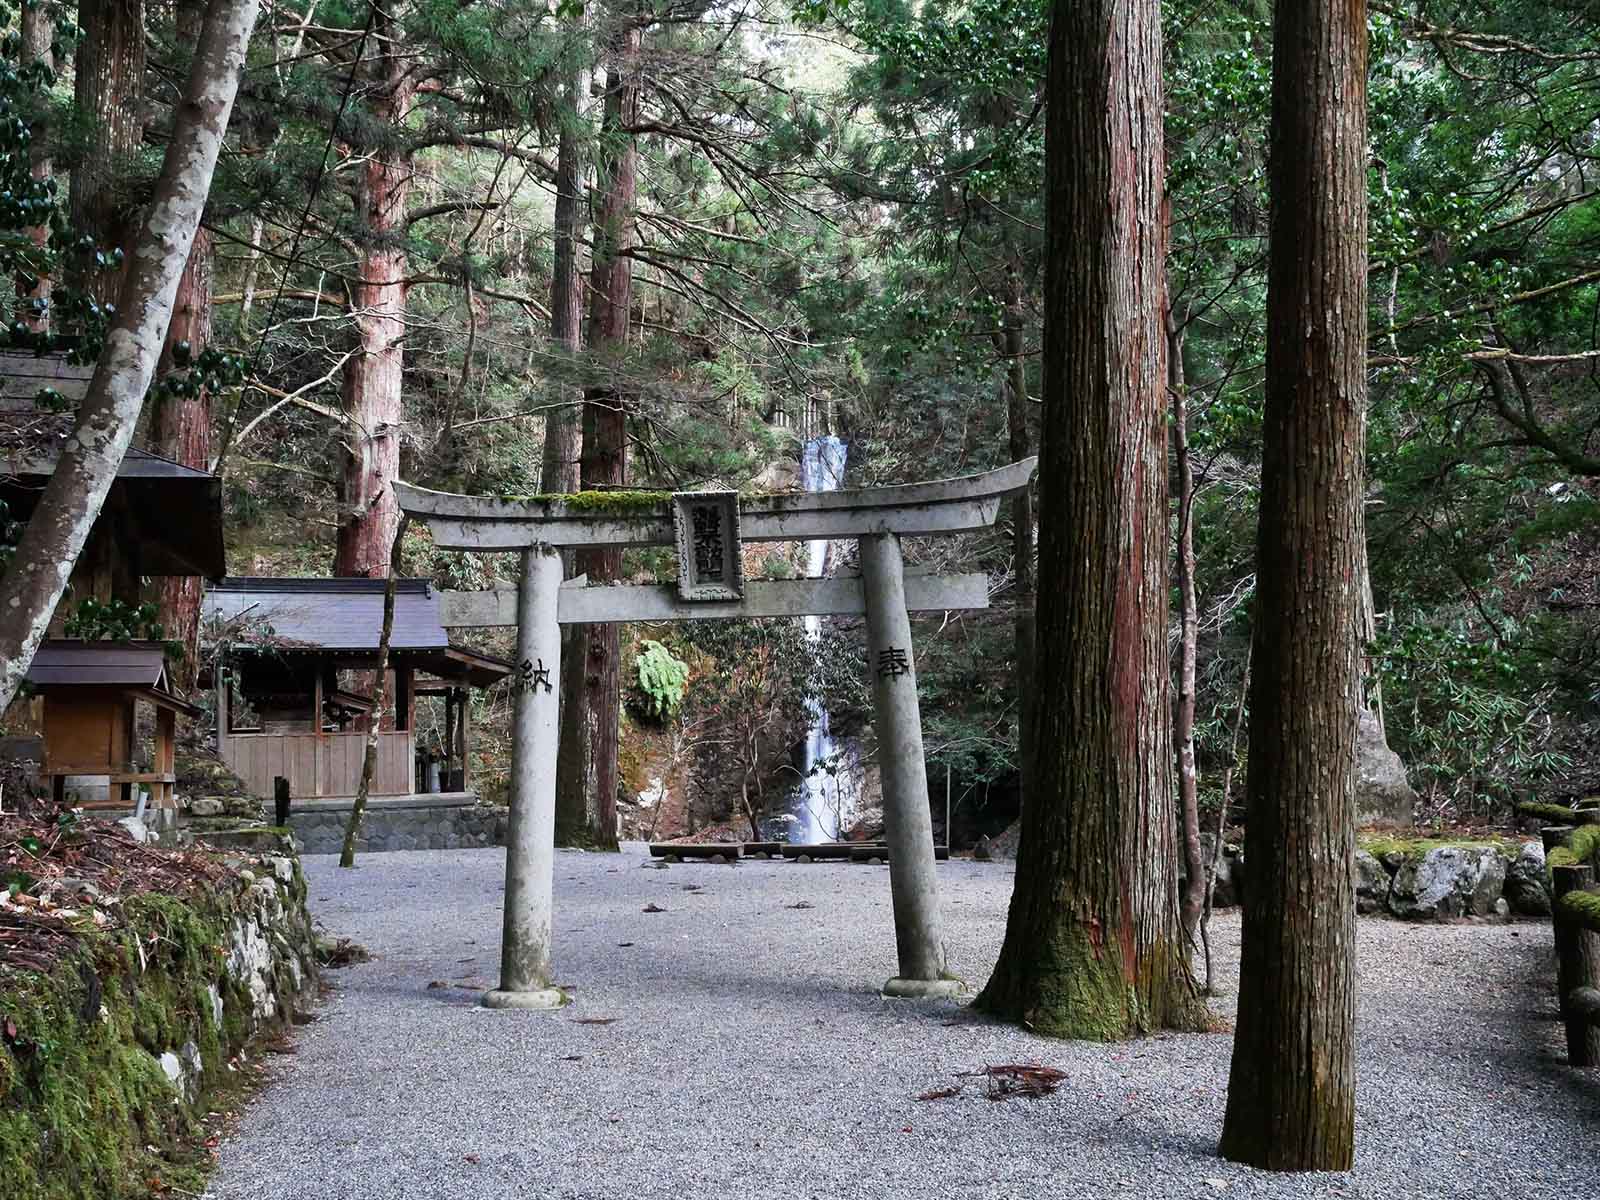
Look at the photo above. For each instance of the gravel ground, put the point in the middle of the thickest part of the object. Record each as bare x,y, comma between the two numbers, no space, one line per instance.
749,1054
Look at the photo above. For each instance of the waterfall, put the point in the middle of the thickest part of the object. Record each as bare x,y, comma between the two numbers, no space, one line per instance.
826,795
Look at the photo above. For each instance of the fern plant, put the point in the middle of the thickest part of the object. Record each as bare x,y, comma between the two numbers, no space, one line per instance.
662,679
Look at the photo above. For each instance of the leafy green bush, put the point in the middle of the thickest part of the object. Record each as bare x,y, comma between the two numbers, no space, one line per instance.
662,680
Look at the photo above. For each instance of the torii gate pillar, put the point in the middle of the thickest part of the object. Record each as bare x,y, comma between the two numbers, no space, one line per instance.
908,828
530,832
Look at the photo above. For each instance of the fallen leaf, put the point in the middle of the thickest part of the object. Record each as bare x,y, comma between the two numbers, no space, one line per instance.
905,1129
623,945
471,1158
653,908
940,1094
572,1058
593,1020
801,904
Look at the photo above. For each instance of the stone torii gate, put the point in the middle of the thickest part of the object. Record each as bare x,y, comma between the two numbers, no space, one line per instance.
707,528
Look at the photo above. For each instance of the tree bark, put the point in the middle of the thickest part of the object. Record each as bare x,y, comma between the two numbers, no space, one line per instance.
1092,947
574,825
180,423
1193,900
372,393
60,525
1022,550
38,33
1291,1093
108,93
604,459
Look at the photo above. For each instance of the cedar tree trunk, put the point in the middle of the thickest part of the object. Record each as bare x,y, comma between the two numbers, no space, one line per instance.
60,525
1092,946
38,33
373,404
560,468
108,94
1291,1093
604,460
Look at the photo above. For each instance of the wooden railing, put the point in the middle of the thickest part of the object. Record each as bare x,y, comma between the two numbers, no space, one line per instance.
319,765
1572,852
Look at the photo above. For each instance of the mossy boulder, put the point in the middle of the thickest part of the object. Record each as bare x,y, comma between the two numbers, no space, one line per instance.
1448,881
1527,888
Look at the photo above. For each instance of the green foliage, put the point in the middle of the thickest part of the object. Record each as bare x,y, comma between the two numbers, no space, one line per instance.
661,679
116,620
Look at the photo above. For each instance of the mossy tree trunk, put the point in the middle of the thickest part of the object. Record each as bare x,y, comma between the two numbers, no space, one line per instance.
1291,1093
1092,947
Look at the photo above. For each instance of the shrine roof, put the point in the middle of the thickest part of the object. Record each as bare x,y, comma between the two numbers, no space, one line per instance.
97,664
343,615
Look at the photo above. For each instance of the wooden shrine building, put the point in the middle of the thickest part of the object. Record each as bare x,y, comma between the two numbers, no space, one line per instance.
91,693
293,697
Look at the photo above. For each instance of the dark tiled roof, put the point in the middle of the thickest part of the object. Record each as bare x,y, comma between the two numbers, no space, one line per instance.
331,614
105,664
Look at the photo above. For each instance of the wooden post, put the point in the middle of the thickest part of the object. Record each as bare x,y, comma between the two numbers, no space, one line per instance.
280,800
164,794
1555,835
465,711
1577,969
316,729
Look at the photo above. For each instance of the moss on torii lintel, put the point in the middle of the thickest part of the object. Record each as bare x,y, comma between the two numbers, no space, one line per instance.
618,503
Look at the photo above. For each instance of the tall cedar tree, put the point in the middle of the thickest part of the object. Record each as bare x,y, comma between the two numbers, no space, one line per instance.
108,97
559,465
1291,1094
592,757
373,404
1092,946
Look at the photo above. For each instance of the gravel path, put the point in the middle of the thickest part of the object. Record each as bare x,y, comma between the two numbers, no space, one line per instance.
750,1055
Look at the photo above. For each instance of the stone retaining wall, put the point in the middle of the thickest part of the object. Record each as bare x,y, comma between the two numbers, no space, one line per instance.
419,823
108,1061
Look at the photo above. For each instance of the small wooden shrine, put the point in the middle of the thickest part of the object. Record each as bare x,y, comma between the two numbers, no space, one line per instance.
92,692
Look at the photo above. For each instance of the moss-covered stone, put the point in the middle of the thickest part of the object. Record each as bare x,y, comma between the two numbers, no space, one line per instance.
86,1109
1553,814
1392,850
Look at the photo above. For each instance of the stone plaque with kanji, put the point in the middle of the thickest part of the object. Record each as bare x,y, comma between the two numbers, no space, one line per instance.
706,528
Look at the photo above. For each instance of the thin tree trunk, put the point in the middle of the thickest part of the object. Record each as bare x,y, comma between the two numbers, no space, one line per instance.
1022,551
1222,820
60,525
108,95
1193,898
604,460
372,379
38,32
180,424
1092,947
1291,1092
380,697
559,473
